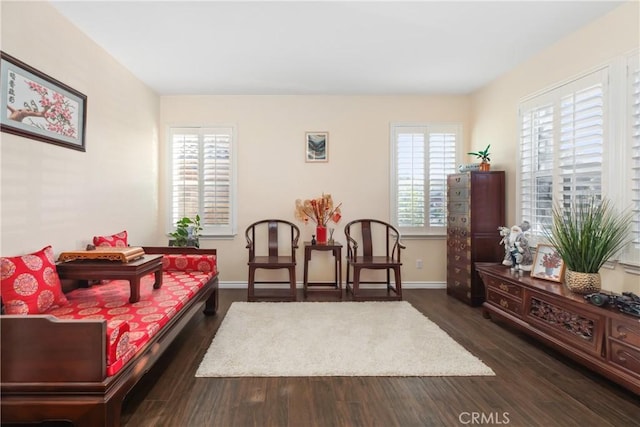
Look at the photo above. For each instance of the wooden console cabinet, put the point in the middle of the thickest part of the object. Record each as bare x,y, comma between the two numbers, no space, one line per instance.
475,210
602,339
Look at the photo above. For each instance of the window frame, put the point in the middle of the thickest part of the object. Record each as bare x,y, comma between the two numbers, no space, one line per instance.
209,231
631,172
554,96
617,147
427,231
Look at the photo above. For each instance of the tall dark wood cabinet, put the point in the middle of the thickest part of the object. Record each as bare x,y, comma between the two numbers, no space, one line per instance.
475,210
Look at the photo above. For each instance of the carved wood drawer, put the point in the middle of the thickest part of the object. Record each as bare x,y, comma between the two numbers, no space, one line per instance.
625,356
568,322
505,287
626,330
504,302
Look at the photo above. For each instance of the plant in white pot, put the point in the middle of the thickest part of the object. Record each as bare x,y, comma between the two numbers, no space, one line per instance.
586,234
187,232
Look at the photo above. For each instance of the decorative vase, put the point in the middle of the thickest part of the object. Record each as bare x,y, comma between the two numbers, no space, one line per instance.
321,235
485,167
583,283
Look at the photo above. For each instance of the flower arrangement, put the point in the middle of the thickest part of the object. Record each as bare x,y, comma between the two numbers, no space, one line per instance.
551,260
320,210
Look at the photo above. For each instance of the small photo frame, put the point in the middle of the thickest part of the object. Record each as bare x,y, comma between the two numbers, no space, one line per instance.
548,264
317,147
37,106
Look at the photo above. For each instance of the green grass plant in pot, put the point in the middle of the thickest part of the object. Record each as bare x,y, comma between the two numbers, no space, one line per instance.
586,234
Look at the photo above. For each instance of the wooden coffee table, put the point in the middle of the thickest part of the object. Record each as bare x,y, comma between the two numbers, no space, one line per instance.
132,271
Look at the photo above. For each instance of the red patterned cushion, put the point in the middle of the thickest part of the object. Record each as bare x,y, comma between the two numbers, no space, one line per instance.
143,319
118,240
202,263
30,283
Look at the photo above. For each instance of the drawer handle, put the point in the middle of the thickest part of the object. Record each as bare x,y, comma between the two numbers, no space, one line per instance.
464,219
504,287
504,303
622,359
624,330
458,179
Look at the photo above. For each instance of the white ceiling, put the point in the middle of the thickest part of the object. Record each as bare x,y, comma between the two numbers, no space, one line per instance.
326,47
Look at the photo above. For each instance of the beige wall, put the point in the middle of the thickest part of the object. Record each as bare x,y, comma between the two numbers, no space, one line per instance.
61,197
494,108
273,174
53,195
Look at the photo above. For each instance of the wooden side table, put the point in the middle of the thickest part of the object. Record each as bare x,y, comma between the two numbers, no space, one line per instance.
331,288
99,270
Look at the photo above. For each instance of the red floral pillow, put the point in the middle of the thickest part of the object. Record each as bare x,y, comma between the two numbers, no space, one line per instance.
118,240
30,283
202,263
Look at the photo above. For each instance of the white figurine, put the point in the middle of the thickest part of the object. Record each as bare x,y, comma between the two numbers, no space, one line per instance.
516,243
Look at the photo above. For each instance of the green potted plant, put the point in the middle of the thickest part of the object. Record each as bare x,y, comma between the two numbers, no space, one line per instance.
483,155
187,232
586,234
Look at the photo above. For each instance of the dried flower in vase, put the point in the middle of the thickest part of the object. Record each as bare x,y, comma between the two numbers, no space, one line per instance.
320,210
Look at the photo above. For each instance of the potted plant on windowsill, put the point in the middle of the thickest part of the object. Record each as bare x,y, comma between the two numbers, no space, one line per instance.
586,234
187,232
483,155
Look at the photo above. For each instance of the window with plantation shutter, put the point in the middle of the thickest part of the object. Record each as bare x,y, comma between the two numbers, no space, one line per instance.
202,178
632,171
562,143
422,157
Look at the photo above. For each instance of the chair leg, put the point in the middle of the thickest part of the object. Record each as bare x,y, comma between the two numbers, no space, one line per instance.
398,282
356,283
347,288
292,281
251,285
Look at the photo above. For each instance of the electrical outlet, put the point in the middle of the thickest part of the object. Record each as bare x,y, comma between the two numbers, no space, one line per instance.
419,264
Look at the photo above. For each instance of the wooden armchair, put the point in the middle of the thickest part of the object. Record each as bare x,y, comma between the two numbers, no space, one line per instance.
278,239
375,245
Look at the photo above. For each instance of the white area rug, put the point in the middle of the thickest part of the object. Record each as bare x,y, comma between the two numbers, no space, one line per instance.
263,339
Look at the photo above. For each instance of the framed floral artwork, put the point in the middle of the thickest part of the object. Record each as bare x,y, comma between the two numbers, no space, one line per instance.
40,107
548,264
317,147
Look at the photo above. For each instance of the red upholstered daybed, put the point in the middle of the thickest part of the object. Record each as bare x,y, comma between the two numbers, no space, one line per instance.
78,361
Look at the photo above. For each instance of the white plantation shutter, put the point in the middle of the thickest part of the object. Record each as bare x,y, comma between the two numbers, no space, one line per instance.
562,135
423,156
202,177
632,255
411,174
580,149
536,166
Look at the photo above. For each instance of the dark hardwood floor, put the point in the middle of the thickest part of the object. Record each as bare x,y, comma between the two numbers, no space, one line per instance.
533,386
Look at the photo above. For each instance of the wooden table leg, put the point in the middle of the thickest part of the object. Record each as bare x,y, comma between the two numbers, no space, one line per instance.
134,284
158,282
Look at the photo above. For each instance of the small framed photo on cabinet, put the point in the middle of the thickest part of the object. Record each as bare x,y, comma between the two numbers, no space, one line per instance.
548,264
317,147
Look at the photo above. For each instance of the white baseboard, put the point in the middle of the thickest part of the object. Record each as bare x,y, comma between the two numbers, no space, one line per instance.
405,285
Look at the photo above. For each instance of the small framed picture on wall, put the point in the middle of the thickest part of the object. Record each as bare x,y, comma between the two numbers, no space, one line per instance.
317,147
